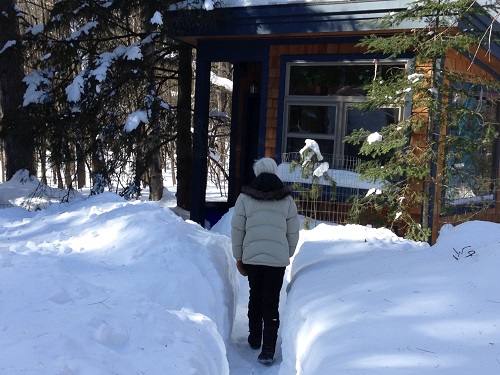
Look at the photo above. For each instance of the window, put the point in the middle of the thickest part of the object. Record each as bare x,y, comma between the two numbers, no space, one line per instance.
321,99
472,154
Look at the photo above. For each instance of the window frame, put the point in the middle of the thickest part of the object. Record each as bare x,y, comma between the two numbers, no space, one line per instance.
451,201
342,103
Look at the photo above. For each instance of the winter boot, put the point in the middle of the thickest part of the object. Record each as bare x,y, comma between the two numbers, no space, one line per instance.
268,345
255,336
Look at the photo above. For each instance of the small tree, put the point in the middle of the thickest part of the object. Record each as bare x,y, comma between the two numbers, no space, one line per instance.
313,168
429,88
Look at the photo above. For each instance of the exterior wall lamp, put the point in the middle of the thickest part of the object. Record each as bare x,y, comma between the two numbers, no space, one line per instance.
254,88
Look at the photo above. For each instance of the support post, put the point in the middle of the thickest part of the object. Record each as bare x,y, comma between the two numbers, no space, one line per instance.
200,140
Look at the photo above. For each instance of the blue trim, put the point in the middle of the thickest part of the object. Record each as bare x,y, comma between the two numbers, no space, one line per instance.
264,82
200,141
279,115
484,66
481,22
233,50
252,50
233,137
303,18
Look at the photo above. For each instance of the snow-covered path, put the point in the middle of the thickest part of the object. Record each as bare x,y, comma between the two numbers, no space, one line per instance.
101,285
243,360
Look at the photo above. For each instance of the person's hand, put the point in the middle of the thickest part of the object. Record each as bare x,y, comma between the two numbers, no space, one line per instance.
241,268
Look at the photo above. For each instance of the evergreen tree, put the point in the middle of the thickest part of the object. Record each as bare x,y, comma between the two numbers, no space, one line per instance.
437,94
103,89
108,67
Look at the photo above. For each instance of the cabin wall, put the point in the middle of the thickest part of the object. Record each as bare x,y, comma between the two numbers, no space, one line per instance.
453,61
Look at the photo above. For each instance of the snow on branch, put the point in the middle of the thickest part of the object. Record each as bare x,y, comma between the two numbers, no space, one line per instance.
7,45
33,94
224,83
157,19
35,30
74,90
134,120
84,30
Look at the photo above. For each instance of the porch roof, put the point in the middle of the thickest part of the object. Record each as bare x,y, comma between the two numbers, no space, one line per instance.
290,19
312,19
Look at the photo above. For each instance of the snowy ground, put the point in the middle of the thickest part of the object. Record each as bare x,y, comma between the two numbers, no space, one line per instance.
105,286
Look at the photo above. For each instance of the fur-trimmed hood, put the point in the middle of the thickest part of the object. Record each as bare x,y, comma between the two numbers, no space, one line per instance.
267,187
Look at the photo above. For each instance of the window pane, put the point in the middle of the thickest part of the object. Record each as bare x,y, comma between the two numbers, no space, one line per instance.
312,119
373,121
472,162
347,80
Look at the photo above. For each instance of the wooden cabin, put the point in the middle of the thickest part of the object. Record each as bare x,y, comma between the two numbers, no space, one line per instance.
274,50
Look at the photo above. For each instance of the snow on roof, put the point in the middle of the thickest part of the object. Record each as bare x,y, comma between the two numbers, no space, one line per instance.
246,3
209,4
249,3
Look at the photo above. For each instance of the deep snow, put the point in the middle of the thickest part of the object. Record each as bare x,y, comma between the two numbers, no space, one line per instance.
101,285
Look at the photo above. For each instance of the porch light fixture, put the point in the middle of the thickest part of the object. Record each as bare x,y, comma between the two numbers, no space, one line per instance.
254,88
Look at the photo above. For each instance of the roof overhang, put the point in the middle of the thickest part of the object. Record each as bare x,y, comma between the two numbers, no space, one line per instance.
488,54
314,20
301,19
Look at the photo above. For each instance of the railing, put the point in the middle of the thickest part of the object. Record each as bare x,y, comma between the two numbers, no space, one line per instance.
322,200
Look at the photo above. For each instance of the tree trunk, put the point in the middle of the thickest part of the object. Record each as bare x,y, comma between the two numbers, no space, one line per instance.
172,162
155,177
184,140
80,172
2,159
60,184
16,128
80,164
153,159
43,163
98,164
69,170
153,141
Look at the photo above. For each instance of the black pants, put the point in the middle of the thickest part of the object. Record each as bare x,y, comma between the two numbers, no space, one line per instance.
265,286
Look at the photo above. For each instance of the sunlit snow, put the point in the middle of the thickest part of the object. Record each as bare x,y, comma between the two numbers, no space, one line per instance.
102,285
374,137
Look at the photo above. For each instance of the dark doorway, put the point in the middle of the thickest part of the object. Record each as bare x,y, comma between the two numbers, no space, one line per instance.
249,121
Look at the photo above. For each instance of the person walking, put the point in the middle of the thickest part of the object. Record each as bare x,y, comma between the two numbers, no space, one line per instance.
264,233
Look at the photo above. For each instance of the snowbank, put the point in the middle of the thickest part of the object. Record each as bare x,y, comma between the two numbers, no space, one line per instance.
363,301
102,286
